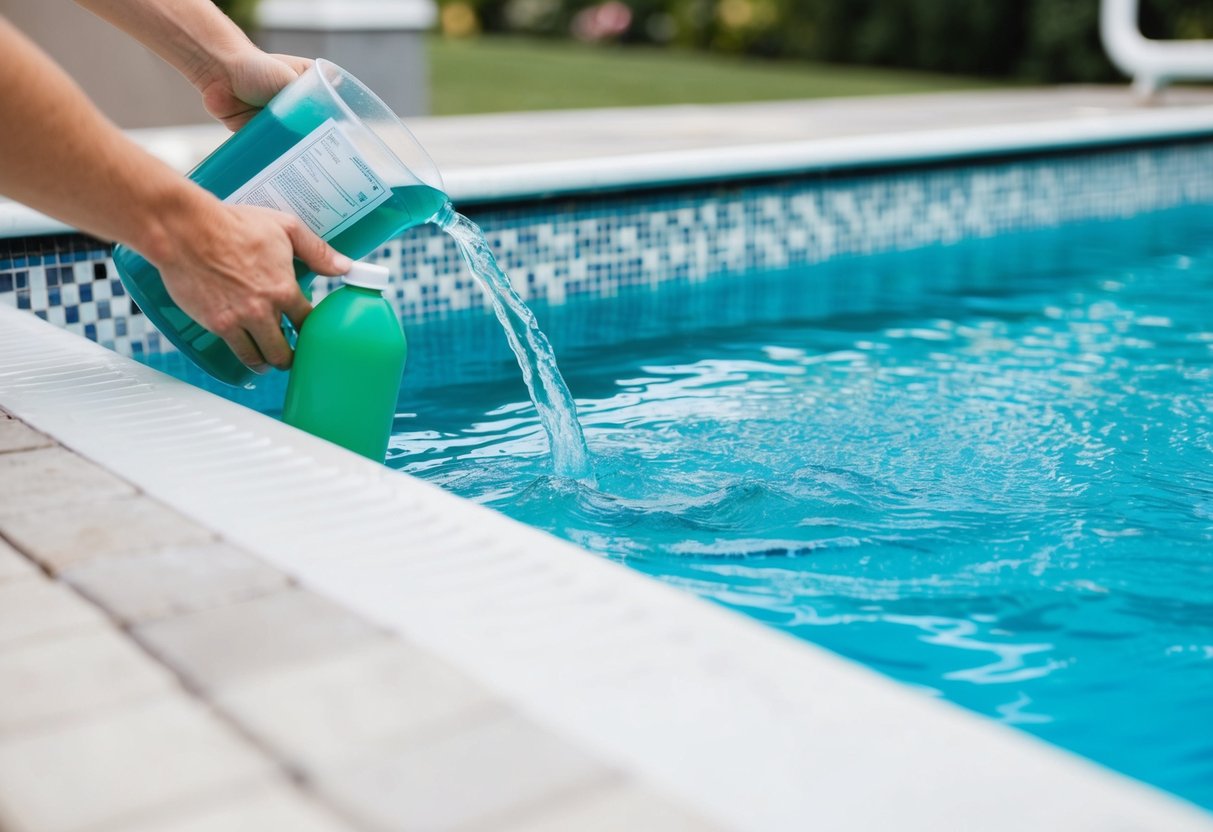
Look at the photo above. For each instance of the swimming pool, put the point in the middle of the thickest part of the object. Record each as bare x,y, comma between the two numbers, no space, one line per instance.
981,468
661,301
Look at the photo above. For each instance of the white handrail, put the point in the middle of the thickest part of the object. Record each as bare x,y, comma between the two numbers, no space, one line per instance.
1152,64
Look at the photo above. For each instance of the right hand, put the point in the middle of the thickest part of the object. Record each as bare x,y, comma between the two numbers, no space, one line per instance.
231,271
246,82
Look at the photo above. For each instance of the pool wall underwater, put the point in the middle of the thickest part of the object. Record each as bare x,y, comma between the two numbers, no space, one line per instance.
596,245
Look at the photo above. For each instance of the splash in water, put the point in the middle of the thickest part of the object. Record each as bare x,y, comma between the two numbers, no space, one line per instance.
551,396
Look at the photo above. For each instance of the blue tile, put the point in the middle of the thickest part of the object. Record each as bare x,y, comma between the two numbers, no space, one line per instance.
597,245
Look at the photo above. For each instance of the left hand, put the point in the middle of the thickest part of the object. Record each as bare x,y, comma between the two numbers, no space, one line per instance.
248,83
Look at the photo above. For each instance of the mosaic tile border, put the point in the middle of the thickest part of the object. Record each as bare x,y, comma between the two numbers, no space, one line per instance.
597,246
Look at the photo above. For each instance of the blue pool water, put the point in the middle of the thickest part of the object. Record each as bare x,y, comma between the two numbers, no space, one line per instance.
985,470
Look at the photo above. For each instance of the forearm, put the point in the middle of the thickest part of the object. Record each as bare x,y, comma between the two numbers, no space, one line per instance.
59,155
192,35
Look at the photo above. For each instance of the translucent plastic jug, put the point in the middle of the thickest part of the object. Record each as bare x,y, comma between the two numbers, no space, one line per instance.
325,148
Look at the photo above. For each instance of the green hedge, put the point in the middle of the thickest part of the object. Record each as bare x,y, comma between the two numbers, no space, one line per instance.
1039,40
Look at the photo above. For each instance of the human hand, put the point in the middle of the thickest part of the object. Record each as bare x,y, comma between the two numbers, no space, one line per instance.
246,84
231,271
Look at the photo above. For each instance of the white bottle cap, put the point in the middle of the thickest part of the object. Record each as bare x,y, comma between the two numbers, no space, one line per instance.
367,275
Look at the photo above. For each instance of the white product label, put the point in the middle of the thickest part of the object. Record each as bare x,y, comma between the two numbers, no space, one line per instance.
322,180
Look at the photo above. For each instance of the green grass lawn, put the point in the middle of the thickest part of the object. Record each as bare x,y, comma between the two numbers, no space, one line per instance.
495,74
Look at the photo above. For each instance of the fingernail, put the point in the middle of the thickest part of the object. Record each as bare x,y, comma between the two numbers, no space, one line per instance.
343,263
261,369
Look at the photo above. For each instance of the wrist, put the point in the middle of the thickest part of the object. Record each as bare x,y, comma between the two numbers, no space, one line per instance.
217,62
174,219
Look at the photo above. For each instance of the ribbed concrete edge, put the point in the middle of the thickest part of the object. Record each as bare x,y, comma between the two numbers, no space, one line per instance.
754,729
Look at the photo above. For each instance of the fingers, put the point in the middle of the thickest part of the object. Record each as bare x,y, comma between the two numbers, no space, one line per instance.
258,341
270,342
300,65
296,309
319,256
244,348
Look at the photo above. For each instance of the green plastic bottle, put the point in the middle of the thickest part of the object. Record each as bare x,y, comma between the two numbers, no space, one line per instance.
349,360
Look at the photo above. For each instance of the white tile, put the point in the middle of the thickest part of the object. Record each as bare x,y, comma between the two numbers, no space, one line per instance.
58,538
112,768
72,675
495,766
232,643
49,477
278,807
350,706
38,608
142,588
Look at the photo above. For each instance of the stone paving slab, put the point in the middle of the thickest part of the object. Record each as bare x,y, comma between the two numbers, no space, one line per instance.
495,766
156,679
13,564
354,705
53,478
612,807
111,768
18,436
54,680
145,588
58,539
229,644
277,807
35,608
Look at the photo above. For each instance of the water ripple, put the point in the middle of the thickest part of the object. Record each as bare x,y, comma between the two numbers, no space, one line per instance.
999,490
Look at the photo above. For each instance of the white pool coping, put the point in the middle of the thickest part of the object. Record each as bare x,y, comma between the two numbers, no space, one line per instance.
518,156
756,730
560,178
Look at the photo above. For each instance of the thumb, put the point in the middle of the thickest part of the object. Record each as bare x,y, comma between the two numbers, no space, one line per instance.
319,256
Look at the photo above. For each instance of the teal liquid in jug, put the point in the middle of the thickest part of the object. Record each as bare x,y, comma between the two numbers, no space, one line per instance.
257,145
